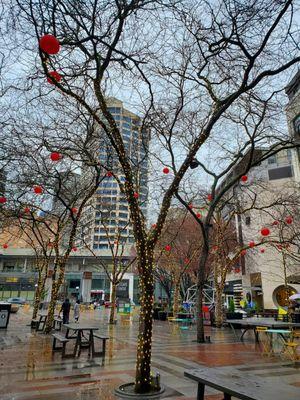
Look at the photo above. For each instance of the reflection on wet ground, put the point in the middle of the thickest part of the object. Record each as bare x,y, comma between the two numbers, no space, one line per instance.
29,370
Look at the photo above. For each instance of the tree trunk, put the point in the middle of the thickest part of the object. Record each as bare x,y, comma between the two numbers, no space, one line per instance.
54,295
176,298
143,365
37,296
201,278
113,304
218,307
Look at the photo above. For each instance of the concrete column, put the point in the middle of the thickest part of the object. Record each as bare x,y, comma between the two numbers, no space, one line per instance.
86,286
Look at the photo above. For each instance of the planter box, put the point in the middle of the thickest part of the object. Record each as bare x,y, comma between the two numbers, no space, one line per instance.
234,315
155,312
162,315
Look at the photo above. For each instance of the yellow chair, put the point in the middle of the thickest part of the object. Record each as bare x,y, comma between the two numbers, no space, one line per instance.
290,350
265,343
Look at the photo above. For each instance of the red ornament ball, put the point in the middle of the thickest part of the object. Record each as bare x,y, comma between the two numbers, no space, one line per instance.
279,246
55,156
251,244
54,77
109,174
275,223
198,215
265,231
237,270
49,44
244,178
74,249
3,200
209,197
153,226
186,260
289,220
27,210
74,210
166,170
38,190
243,252
5,246
262,250
135,195
168,247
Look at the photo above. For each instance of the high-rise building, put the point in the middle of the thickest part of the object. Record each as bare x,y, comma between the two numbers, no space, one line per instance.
107,216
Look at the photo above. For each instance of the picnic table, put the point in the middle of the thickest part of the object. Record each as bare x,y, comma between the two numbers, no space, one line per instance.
84,335
241,385
252,323
40,322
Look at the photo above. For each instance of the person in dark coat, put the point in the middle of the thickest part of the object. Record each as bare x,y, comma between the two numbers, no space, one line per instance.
65,309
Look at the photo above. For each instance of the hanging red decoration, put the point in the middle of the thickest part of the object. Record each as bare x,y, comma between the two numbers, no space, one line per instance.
289,220
5,246
244,178
135,195
166,170
74,210
49,44
279,246
74,249
3,200
251,244
109,174
265,231
186,260
209,197
153,226
55,156
27,210
275,223
237,270
243,252
214,248
168,247
38,190
50,244
262,250
54,77
190,206
198,215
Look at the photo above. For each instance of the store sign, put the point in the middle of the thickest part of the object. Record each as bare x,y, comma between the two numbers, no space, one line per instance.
123,289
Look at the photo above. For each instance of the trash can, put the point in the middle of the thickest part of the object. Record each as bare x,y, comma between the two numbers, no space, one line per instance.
4,314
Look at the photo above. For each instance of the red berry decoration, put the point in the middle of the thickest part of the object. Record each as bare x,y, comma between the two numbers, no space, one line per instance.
55,156
244,178
153,226
168,247
275,223
279,246
54,77
166,170
186,260
265,231
74,210
251,244
109,174
190,206
237,270
135,195
262,250
198,215
5,246
74,249
27,210
49,44
209,197
289,220
50,244
243,252
38,190
3,200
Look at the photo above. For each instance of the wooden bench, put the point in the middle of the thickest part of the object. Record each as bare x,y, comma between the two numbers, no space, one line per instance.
57,323
242,385
62,339
104,339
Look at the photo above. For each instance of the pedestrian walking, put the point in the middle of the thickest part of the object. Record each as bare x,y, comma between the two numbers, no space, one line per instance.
76,310
65,309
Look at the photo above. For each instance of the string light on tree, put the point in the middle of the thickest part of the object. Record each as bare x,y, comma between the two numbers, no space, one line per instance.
49,44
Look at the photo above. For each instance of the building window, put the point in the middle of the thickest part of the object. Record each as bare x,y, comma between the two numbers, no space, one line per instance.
289,154
280,173
248,220
297,125
272,159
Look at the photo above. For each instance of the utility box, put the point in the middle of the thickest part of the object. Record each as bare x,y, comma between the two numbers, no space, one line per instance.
4,314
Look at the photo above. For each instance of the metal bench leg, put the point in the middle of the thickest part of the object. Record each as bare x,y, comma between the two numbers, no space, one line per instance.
227,396
200,392
103,347
63,352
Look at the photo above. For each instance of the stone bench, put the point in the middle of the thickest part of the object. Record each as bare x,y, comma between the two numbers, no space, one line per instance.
62,339
104,339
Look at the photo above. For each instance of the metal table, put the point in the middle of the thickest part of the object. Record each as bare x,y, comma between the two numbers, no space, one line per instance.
252,323
81,340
